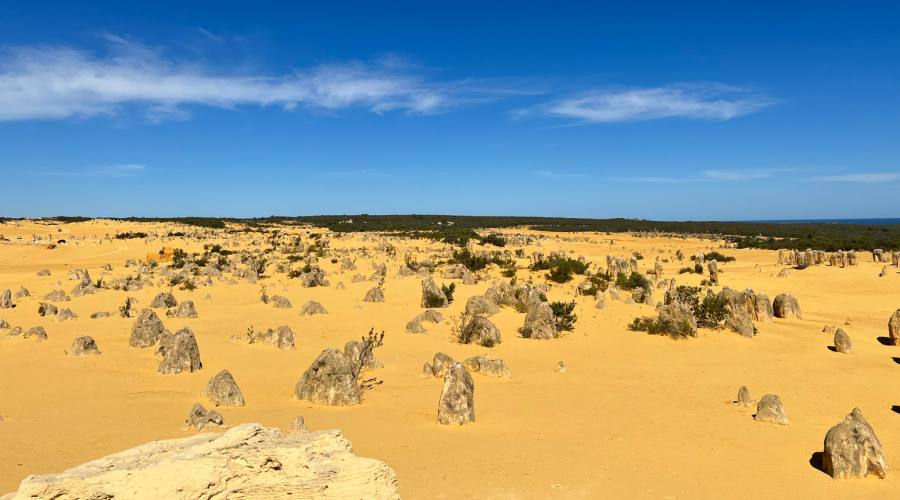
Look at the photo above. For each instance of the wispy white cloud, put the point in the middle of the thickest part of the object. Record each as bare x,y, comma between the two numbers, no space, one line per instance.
863,178
122,170
554,175
356,173
652,179
744,175
709,101
59,82
109,171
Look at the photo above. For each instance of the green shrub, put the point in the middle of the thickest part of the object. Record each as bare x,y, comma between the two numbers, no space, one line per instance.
475,262
657,327
448,291
635,280
684,270
561,270
494,239
716,256
710,311
698,268
563,316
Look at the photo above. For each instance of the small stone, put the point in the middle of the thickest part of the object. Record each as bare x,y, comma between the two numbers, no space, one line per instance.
280,302
164,300
561,367
786,306
312,307
770,409
374,295
84,345
298,426
184,310
222,390
842,341
743,397
37,332
201,418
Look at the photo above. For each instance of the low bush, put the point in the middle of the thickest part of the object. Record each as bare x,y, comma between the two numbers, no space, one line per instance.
716,256
632,281
448,291
494,239
563,316
656,327
561,270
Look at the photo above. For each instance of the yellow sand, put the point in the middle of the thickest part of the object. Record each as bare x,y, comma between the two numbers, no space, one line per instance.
635,415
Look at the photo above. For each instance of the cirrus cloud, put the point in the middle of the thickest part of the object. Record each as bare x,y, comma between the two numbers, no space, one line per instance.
707,101
59,82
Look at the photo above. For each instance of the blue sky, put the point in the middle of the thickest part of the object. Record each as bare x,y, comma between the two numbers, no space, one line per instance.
665,111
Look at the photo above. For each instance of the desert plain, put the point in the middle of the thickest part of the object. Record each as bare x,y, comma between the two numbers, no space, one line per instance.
633,415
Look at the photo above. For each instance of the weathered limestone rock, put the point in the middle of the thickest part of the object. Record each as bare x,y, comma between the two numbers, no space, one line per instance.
47,309
184,310
770,409
146,330
374,295
222,390
457,402
247,461
432,295
894,327
713,268
540,323
298,426
280,302
359,352
853,450
6,300
441,363
331,379
739,321
84,345
430,316
479,330
743,397
57,296
280,338
415,326
66,314
311,308
22,292
678,319
481,305
762,307
314,277
786,306
163,300
38,333
179,351
490,367
200,418
842,341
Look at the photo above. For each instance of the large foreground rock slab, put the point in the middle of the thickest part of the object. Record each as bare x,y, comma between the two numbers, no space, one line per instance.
247,461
